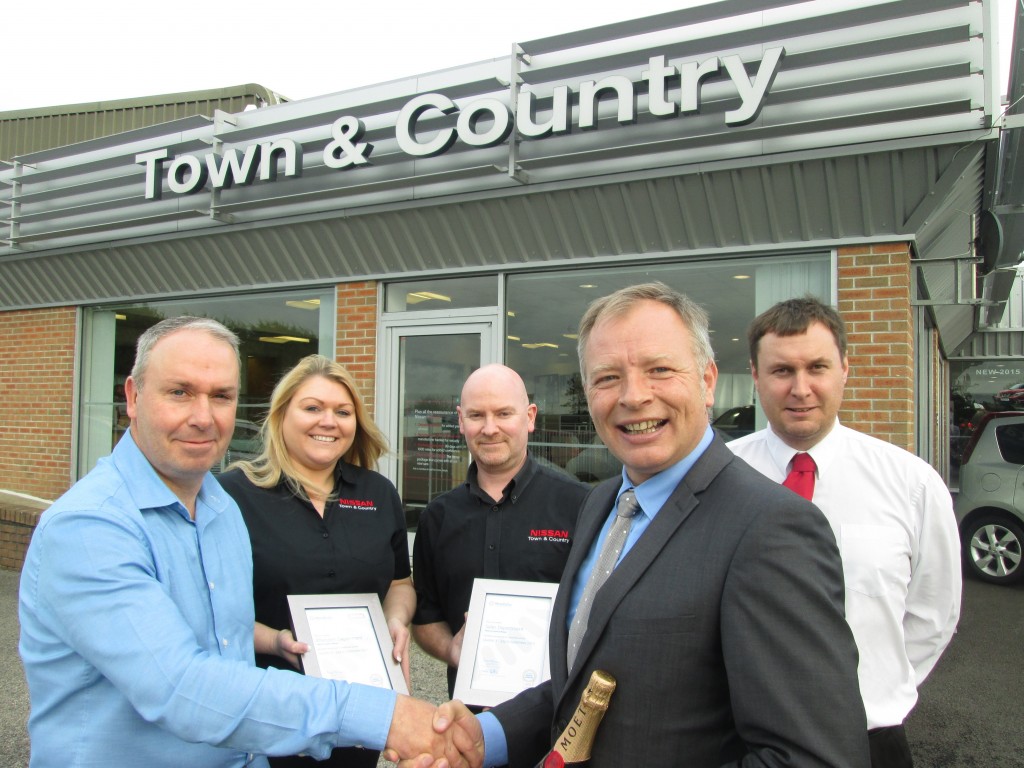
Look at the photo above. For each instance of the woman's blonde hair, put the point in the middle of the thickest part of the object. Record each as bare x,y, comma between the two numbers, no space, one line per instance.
274,462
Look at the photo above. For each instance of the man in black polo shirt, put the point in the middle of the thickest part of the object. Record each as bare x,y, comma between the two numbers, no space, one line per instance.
512,519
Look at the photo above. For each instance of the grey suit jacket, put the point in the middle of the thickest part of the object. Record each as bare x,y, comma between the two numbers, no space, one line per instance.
724,628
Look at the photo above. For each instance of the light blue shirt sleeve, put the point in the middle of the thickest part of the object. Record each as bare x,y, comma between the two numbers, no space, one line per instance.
137,639
495,743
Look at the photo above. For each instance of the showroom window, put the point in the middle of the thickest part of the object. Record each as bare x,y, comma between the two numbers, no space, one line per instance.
275,330
979,386
542,315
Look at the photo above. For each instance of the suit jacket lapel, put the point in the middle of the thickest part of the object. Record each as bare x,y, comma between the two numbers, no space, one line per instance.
670,517
592,516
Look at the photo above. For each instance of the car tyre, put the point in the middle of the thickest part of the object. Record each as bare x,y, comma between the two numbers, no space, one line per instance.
992,549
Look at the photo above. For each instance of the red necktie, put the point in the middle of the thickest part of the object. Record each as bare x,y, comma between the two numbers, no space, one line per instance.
801,477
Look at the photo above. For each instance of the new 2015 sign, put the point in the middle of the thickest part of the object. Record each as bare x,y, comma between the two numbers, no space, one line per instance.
185,174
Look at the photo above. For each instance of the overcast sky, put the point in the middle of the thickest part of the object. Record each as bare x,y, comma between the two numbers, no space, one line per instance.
59,52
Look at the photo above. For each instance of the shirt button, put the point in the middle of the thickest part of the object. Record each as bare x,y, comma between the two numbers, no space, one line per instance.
326,535
490,547
331,574
224,642
211,585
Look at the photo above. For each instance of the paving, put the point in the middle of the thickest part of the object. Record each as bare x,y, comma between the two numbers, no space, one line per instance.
14,712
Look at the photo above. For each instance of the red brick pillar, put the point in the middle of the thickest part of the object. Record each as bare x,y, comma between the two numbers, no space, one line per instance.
37,369
356,346
874,300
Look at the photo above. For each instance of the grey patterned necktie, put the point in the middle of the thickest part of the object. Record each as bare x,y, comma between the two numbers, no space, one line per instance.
624,513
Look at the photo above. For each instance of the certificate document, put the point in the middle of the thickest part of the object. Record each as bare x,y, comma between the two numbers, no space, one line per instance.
505,649
346,645
348,639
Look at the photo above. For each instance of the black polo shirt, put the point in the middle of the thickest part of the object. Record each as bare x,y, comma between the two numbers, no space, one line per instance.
464,534
360,544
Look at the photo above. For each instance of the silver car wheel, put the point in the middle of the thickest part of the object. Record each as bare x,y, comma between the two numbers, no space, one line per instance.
995,551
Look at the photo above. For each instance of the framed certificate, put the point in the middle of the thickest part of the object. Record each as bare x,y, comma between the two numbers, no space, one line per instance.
505,648
348,639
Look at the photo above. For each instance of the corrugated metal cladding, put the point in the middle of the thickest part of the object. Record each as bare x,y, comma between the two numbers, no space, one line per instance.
813,201
31,130
875,126
993,345
1004,339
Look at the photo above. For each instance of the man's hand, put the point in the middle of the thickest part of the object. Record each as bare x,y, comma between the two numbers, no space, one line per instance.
455,739
462,731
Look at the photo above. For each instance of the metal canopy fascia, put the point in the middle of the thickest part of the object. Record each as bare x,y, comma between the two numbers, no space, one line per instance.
818,201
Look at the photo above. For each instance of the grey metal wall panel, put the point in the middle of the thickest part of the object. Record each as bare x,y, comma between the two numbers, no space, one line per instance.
31,130
854,74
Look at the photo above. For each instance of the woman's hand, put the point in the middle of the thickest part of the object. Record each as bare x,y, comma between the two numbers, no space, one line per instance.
288,648
400,638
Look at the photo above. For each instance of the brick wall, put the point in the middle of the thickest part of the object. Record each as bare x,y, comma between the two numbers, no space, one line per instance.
37,364
356,345
16,526
874,300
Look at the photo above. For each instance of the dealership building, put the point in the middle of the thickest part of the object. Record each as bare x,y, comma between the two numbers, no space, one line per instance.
743,152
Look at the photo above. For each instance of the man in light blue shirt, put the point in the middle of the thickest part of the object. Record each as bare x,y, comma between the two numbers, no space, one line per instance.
136,598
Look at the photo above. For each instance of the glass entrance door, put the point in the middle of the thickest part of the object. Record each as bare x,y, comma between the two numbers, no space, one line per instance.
427,366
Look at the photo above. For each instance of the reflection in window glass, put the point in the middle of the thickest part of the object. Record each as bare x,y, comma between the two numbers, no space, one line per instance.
543,314
977,387
446,293
275,332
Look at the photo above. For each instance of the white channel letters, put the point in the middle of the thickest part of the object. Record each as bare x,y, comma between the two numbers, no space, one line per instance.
485,122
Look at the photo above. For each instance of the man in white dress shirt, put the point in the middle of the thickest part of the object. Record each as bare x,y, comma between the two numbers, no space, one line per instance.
891,513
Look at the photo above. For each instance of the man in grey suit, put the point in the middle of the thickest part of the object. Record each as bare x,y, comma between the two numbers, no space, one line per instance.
723,619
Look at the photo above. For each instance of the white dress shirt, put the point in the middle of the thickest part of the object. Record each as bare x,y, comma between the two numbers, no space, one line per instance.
893,520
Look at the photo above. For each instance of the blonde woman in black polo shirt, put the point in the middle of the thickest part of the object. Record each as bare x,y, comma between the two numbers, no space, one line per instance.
320,519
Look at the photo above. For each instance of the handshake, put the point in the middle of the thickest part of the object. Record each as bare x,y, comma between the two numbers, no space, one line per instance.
423,736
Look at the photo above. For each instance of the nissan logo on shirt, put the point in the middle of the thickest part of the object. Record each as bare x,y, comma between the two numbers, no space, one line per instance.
365,504
544,534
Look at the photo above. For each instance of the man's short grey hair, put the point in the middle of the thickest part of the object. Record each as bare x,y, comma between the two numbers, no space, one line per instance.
623,300
149,338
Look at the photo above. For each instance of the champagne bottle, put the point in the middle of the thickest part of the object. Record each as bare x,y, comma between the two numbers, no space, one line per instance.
574,745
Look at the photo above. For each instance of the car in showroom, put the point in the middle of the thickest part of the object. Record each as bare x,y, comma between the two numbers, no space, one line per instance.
990,504
1010,398
245,444
735,422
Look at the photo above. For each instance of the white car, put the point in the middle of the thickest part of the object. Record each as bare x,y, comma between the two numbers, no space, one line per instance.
990,505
